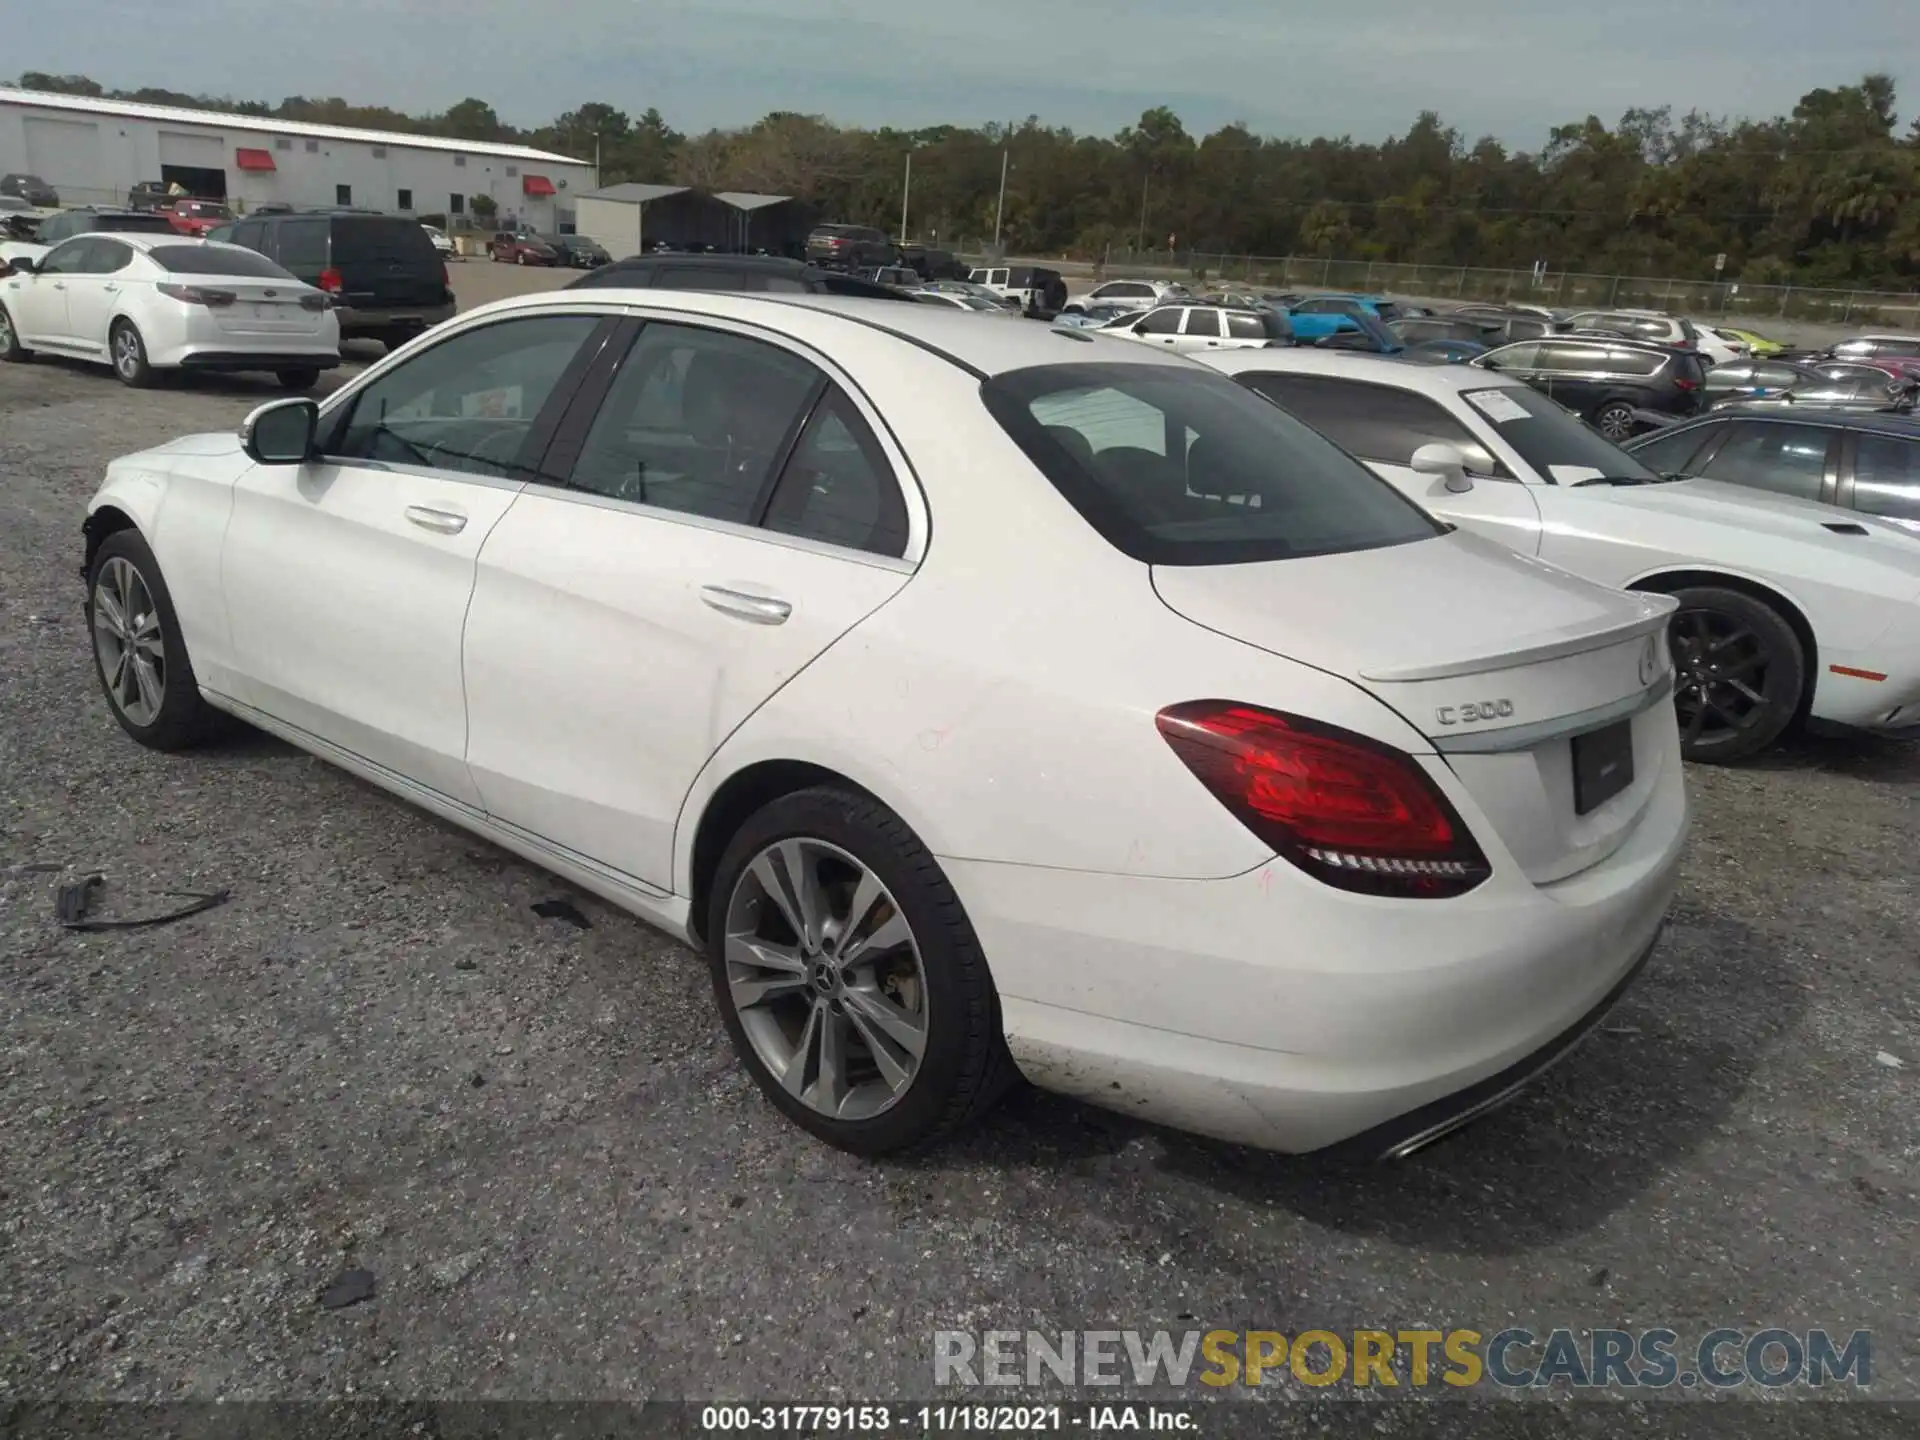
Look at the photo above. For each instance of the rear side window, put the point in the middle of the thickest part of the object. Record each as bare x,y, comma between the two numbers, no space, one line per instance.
1178,466
1886,476
1375,422
358,241
302,244
1204,324
1634,362
838,487
216,260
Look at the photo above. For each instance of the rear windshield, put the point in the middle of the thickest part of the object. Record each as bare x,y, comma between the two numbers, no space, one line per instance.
382,239
1547,435
132,224
1179,467
217,260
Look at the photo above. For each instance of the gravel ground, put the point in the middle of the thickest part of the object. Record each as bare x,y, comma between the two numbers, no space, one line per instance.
537,1141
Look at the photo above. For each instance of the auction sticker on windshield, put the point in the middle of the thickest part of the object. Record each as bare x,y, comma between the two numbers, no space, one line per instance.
1497,406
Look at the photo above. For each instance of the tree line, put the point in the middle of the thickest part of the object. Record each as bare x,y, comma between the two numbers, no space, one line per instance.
1827,195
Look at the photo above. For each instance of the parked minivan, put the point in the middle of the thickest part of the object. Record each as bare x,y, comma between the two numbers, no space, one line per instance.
1606,381
387,281
1040,293
857,247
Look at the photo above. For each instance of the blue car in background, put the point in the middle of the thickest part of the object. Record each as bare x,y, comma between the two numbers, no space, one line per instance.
1318,316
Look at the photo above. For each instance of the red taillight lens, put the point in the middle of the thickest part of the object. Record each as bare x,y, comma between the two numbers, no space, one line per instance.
1349,811
331,282
197,295
446,277
1681,382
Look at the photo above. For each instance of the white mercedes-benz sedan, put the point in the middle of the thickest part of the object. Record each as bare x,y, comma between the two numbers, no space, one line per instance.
981,699
1789,610
143,303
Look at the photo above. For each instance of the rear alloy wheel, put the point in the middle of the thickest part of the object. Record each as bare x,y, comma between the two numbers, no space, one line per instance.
10,346
1615,421
297,379
850,981
129,354
138,651
1739,671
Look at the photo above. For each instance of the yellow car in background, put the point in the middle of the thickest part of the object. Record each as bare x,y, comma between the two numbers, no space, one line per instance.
1762,348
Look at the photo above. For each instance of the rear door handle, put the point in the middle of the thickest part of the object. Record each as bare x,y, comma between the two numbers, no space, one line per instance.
441,522
760,609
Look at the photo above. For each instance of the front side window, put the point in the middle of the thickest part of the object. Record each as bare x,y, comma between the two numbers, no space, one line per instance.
69,257
1179,466
469,403
696,422
1886,476
1374,422
1165,321
1786,459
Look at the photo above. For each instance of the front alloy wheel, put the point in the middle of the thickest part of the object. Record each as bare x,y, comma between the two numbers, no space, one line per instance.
1739,670
128,643
827,979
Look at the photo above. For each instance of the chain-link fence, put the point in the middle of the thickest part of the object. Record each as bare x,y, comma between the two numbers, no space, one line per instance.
1560,289
1565,289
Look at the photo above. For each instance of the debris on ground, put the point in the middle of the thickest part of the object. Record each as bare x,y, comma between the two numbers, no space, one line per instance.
563,910
350,1288
72,902
1891,1061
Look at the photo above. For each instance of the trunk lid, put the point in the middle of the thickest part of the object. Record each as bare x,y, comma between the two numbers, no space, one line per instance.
1500,660
263,307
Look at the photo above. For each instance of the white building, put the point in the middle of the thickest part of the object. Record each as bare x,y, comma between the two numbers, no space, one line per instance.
92,151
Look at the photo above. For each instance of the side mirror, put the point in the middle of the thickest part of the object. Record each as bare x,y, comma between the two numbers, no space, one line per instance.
22,266
1447,463
280,432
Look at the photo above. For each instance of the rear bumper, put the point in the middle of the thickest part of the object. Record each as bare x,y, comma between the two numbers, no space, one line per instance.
358,321
1272,1011
232,360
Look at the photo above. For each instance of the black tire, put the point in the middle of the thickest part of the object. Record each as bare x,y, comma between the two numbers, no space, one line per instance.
128,352
964,1067
1729,647
1614,420
297,380
11,350
183,719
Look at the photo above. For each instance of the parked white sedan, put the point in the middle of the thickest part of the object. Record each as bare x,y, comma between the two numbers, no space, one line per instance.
1788,608
973,695
142,303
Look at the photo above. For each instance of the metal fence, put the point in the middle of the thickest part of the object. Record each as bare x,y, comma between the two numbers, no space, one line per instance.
1732,298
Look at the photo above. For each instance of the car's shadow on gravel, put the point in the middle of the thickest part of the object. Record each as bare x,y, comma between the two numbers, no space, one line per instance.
1856,757
1659,1074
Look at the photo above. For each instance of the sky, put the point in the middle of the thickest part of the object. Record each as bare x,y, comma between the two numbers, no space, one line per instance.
1365,68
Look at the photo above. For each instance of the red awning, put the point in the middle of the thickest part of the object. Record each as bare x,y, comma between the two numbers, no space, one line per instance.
536,185
253,159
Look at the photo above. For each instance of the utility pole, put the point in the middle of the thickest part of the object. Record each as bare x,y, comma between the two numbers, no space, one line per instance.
1140,236
596,159
1000,210
906,190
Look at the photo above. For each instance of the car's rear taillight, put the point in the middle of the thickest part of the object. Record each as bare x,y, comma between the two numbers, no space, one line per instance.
1685,382
196,295
331,282
446,278
314,301
1349,811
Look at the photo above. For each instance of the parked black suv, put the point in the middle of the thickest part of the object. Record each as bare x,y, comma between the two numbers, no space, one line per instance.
757,274
387,281
1860,461
579,252
1606,381
857,247
30,188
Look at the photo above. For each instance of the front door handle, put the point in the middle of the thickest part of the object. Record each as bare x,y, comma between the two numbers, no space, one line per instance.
441,522
59,284
111,289
760,609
